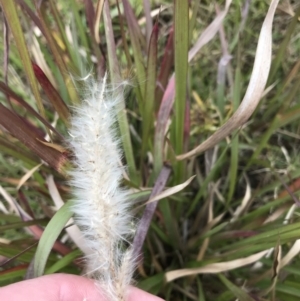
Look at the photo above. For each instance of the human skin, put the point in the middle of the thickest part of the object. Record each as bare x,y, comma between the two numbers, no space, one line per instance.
63,287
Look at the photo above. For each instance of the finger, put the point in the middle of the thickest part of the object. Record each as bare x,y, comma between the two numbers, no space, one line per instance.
63,287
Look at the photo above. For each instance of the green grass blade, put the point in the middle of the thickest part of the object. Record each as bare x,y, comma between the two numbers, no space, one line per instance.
279,120
63,262
181,40
7,276
235,140
49,237
239,293
152,284
80,27
149,98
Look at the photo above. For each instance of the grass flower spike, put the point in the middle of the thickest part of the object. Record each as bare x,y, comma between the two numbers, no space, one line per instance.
101,207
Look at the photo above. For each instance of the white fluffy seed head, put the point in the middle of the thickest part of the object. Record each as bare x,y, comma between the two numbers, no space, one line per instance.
101,208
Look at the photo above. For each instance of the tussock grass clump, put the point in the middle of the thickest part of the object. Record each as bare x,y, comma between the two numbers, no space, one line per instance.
209,131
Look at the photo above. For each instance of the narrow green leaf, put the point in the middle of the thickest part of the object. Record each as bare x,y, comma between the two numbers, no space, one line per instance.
238,292
284,232
235,140
149,97
152,284
63,262
201,294
281,119
289,288
203,190
226,296
14,252
181,40
7,277
162,235
171,223
79,25
49,237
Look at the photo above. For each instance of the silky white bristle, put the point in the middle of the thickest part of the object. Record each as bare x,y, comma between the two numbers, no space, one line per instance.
101,207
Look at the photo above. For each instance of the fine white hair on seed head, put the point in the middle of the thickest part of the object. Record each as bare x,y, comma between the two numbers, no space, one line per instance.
101,206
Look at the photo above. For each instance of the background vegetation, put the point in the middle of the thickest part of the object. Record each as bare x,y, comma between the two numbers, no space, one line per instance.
234,230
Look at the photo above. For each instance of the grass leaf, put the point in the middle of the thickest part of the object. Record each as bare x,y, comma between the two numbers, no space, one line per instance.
50,235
